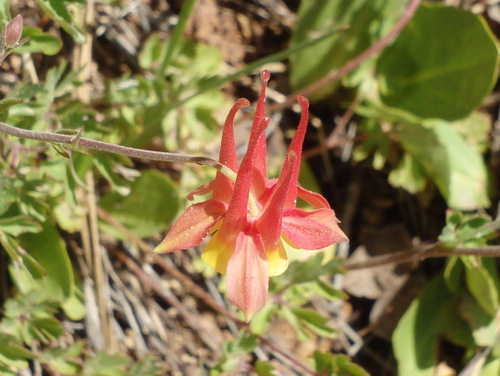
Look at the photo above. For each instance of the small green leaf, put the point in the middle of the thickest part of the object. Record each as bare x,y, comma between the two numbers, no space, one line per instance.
326,363
483,326
408,175
46,328
7,102
442,64
57,11
491,368
430,317
328,291
11,348
315,322
4,12
146,367
482,282
10,192
455,167
103,364
19,224
39,42
47,248
262,319
290,316
453,274
150,207
106,166
64,361
264,368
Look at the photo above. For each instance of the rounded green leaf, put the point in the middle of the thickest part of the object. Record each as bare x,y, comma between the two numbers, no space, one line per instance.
443,156
442,64
152,204
39,42
48,249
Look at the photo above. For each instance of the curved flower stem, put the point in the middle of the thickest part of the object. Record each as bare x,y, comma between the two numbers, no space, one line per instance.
78,142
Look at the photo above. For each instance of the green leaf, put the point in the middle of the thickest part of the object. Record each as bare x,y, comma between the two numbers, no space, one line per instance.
408,175
235,352
290,316
55,9
146,367
150,207
455,167
453,274
17,255
39,42
463,229
47,248
442,64
366,21
4,12
103,364
11,348
106,165
45,328
328,291
19,224
262,319
326,363
491,368
62,360
431,316
10,192
483,326
482,282
315,322
376,142
7,102
264,368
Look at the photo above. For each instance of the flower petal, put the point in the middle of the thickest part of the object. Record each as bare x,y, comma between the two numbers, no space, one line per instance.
277,260
269,223
314,199
217,253
259,171
227,154
192,226
236,215
247,274
222,185
312,230
296,147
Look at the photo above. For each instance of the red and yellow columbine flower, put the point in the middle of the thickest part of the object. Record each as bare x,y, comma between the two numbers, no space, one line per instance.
252,217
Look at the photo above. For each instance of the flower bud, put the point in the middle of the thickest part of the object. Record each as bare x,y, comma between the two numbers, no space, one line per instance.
13,31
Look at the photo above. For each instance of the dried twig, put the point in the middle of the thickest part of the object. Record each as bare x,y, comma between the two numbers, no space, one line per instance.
433,250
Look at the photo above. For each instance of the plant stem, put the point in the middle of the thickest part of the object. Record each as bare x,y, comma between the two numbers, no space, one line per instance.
348,67
433,250
79,142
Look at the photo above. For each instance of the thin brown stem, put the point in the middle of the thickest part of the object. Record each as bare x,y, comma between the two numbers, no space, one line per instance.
84,143
433,250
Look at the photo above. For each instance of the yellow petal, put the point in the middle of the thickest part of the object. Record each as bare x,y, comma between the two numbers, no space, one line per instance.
278,261
217,253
